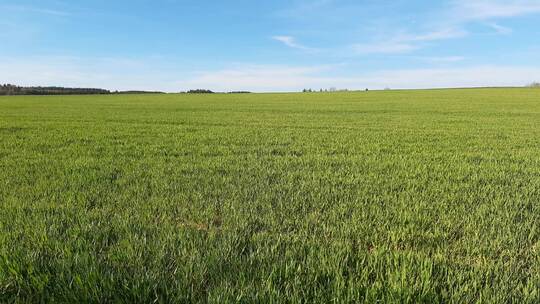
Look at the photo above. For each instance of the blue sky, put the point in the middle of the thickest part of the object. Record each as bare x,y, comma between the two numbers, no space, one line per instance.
278,45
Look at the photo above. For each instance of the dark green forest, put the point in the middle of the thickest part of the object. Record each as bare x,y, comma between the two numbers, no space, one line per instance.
9,89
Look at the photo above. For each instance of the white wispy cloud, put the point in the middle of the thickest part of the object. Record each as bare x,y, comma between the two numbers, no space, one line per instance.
464,12
258,78
288,41
384,47
472,76
499,29
490,9
441,34
406,43
141,74
443,59
292,43
287,78
34,9
114,73
453,24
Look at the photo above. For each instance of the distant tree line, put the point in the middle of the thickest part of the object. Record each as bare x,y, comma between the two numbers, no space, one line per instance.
9,89
200,91
204,91
137,92
325,90
535,85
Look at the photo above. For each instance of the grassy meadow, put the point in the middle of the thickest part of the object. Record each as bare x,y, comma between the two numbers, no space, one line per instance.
391,197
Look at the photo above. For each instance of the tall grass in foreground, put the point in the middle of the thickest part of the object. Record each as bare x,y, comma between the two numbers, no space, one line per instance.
394,197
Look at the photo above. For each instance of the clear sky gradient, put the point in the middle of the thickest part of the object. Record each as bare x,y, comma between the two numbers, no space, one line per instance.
263,45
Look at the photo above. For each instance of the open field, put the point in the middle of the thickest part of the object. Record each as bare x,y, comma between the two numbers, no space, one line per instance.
396,196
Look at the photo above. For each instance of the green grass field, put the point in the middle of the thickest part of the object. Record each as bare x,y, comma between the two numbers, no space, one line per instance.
391,196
